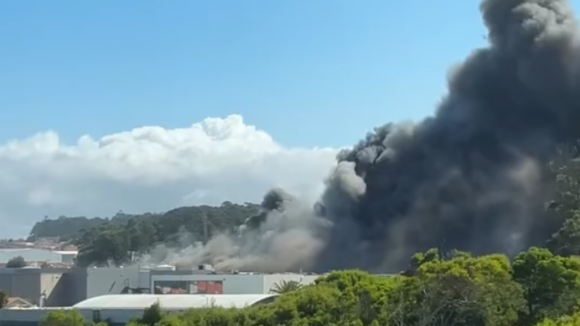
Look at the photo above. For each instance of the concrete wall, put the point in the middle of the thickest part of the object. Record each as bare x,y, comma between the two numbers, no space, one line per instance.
43,287
66,287
102,281
23,285
73,289
144,279
52,289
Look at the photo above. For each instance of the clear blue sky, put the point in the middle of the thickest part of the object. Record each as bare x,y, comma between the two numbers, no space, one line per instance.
311,73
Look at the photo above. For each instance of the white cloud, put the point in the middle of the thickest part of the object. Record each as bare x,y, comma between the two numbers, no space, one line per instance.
149,169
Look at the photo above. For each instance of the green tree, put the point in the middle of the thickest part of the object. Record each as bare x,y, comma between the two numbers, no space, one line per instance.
141,235
3,299
565,168
285,287
104,241
66,318
573,320
566,241
16,262
363,296
152,315
463,290
108,247
551,284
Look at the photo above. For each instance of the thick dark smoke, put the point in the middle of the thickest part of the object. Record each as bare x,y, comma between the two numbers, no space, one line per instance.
471,177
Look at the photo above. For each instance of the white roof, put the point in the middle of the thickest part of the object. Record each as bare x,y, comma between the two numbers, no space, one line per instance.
65,252
173,301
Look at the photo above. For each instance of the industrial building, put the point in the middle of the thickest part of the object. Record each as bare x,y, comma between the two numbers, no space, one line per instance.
61,287
65,287
205,281
120,309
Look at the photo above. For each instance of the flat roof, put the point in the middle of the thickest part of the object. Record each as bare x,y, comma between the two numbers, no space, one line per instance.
174,301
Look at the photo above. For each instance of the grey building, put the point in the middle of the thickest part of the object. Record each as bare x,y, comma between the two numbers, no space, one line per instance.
65,287
54,287
207,282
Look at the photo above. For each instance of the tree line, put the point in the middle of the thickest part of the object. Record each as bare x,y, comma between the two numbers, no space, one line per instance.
114,241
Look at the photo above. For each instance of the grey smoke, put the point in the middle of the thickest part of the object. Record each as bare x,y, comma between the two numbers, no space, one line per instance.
285,235
471,177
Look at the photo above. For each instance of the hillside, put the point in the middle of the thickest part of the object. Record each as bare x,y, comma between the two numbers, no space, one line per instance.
110,239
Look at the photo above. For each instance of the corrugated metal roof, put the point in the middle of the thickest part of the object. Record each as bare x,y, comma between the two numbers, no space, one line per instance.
174,301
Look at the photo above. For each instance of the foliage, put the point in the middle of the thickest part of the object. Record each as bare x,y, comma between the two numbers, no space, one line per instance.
66,318
573,320
566,241
285,287
16,262
551,284
3,299
152,315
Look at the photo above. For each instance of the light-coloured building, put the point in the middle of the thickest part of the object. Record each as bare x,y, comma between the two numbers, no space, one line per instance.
204,282
120,309
58,287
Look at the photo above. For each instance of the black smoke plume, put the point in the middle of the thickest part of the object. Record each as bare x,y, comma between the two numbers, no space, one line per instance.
471,177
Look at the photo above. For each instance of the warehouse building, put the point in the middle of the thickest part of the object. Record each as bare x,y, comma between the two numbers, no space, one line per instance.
64,287
207,282
60,287
120,309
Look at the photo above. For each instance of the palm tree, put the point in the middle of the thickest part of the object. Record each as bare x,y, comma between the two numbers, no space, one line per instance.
285,287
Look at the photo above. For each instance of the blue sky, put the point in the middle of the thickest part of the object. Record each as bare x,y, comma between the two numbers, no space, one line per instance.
310,73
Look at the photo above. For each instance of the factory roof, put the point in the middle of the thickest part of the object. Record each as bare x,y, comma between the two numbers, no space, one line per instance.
174,301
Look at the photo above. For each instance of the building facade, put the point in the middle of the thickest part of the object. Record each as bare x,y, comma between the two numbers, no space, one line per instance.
194,282
53,287
64,287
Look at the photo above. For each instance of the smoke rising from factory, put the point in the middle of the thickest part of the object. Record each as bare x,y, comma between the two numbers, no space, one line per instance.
470,177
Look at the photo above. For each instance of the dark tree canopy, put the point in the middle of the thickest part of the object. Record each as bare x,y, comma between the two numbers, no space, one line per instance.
16,262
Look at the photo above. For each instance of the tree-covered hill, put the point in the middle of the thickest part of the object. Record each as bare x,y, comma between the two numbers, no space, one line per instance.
109,239
223,217
68,228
